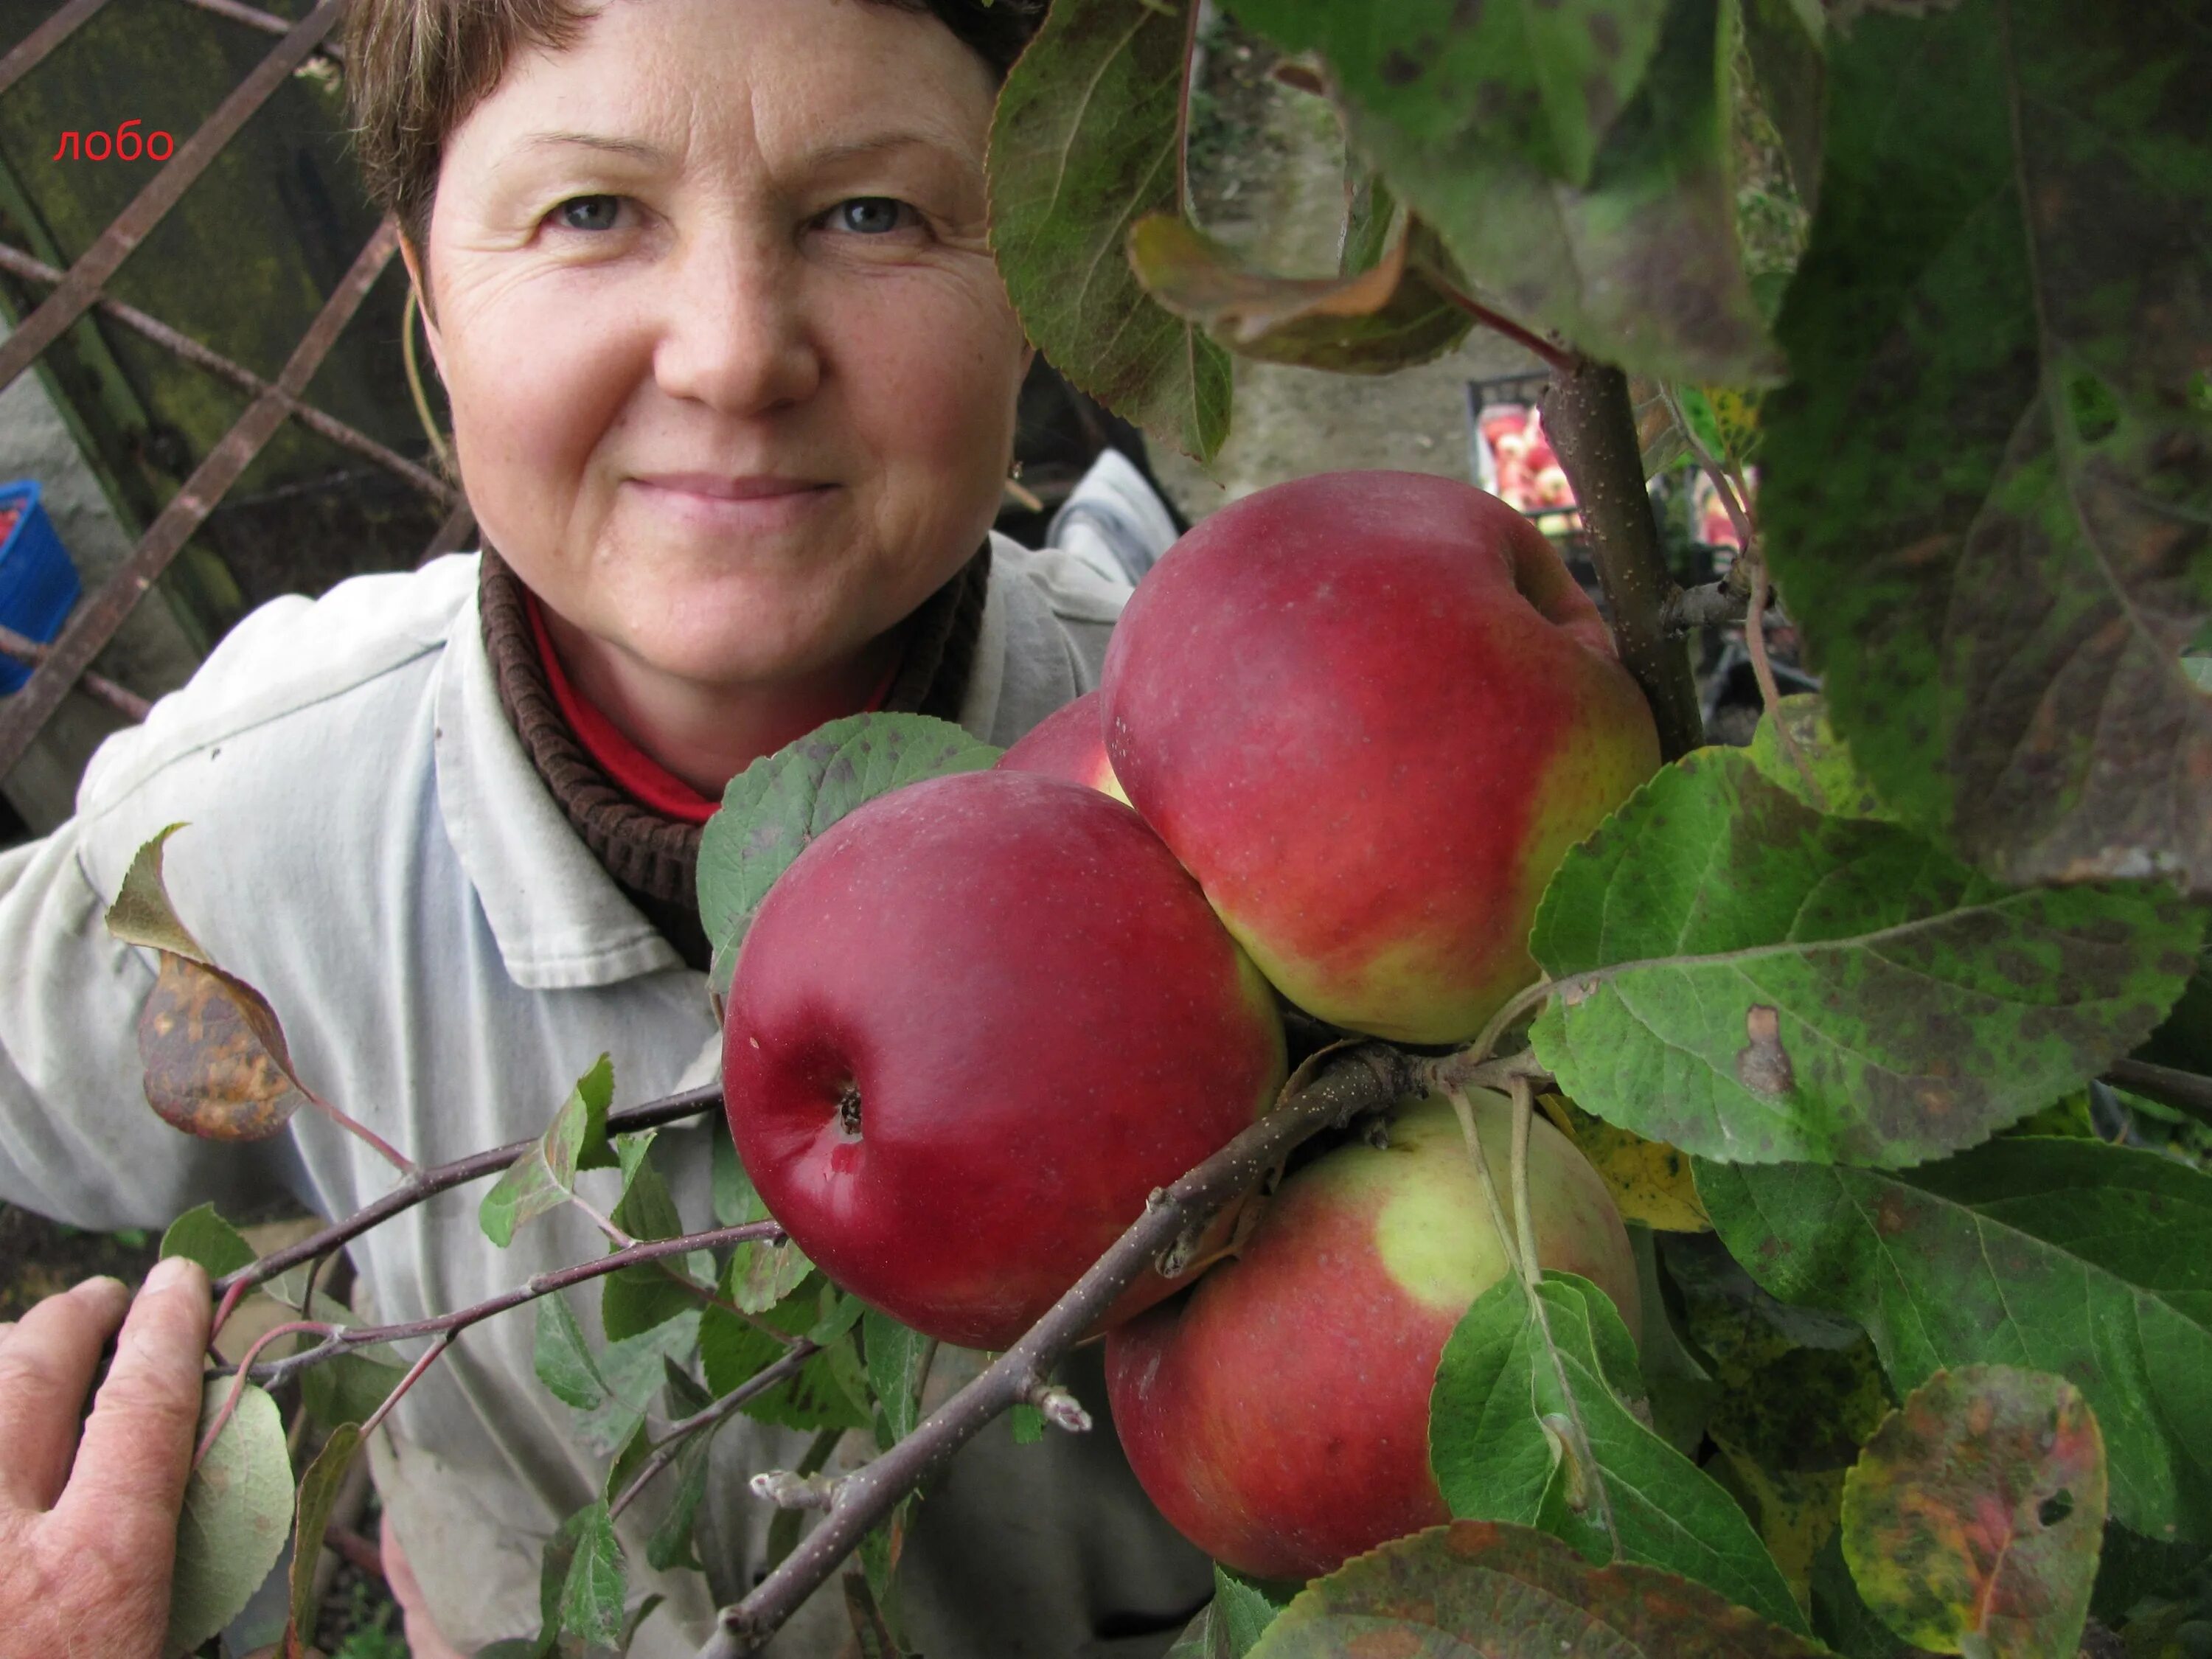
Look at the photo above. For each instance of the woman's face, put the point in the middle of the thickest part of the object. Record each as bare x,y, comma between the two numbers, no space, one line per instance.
733,373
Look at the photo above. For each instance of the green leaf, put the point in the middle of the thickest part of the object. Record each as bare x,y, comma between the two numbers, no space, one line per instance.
1784,41
1505,1592
1528,1424
563,1362
586,1598
545,1177
1843,789
348,1387
1631,256
634,1371
1986,488
820,1396
1974,1519
898,1364
2055,1254
1242,1611
1083,145
206,1237
1841,1617
1540,80
237,1513
670,1546
1748,980
1375,321
637,1298
783,801
318,1495
1028,1424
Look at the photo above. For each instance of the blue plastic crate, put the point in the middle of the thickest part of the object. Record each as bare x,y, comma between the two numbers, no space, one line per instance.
39,586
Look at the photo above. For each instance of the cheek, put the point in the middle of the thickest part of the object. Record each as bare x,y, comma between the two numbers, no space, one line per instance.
532,389
936,369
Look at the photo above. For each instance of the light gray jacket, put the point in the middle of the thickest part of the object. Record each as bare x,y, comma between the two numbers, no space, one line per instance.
371,846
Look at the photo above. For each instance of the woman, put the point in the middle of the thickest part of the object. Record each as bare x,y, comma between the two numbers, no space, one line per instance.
733,379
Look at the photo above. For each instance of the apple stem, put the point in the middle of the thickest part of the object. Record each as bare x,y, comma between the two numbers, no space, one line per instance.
1524,1111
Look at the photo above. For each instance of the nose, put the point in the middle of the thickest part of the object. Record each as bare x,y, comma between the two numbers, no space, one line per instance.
734,332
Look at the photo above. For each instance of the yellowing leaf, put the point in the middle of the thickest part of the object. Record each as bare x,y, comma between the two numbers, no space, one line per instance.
1650,1181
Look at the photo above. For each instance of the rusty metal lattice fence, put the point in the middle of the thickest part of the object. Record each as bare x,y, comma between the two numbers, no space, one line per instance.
66,664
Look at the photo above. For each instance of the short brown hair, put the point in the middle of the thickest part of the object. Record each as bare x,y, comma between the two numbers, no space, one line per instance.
415,67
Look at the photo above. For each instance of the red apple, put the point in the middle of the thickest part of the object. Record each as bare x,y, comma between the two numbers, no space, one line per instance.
971,1028
1371,711
1277,1414
1070,742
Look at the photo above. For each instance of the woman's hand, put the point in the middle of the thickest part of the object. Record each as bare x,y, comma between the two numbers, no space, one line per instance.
88,1529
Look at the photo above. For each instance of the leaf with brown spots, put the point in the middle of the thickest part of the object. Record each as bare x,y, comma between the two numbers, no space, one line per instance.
1087,141
1389,316
1571,154
1973,1520
1987,492
1747,979
1484,1589
215,1062
2090,1262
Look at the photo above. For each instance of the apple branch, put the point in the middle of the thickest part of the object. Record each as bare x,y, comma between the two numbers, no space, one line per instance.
1330,1090
2169,1085
665,1449
343,1339
428,1181
1592,427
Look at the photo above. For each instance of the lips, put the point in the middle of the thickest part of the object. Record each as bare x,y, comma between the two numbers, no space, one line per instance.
723,487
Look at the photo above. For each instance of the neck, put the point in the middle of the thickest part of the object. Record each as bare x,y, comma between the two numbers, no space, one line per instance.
705,735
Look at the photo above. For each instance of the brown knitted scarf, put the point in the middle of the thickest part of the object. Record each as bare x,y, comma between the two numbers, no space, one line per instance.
652,858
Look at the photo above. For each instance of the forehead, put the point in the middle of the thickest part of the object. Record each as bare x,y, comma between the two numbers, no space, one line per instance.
703,80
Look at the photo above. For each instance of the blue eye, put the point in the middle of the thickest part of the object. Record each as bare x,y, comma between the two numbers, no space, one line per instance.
589,212
871,215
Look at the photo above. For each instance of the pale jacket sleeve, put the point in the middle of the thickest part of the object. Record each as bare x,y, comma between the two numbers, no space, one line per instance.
77,1140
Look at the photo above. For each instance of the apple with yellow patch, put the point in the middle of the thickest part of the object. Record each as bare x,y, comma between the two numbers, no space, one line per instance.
1278,1413
1371,711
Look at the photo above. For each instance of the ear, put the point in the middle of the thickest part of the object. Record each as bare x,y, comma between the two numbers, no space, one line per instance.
413,263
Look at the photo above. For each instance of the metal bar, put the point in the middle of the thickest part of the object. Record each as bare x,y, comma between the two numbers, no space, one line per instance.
450,534
200,356
26,54
267,22
123,701
95,621
100,261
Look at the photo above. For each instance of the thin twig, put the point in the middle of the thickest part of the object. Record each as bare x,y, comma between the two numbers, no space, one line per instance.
429,1181
343,1339
1345,1084
296,1327
429,1357
665,1449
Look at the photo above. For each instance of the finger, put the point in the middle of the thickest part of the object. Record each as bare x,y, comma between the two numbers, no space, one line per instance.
46,1362
129,1478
